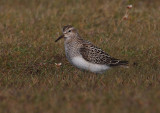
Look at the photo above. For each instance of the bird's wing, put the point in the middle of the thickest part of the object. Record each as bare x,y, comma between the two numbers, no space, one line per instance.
96,55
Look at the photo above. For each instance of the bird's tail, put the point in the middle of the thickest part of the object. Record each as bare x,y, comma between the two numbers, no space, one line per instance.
117,62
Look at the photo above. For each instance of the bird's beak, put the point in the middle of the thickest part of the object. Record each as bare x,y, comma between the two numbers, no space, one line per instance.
62,36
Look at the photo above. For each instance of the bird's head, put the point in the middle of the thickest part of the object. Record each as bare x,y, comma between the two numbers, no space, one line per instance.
68,33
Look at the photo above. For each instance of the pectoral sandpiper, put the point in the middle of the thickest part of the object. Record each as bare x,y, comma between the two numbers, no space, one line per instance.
84,55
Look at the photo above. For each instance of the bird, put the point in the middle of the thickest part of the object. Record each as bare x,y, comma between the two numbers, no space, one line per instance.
85,55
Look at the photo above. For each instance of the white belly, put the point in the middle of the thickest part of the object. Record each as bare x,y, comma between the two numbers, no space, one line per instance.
81,63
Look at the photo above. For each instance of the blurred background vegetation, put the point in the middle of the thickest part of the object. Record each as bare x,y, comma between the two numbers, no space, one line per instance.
31,82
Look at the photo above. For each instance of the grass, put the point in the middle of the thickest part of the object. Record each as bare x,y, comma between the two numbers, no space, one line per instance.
31,82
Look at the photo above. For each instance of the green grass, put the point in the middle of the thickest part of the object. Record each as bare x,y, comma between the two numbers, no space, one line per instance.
31,82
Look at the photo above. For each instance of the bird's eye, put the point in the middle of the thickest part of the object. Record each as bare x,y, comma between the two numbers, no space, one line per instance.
69,31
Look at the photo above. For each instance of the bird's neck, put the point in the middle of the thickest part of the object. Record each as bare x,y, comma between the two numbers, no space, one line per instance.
72,39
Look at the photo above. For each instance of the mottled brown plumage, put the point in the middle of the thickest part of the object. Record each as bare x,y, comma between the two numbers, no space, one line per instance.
96,55
84,55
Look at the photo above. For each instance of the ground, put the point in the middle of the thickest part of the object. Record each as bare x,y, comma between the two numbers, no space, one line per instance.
30,82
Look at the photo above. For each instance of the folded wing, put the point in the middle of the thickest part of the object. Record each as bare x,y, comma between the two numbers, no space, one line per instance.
96,55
